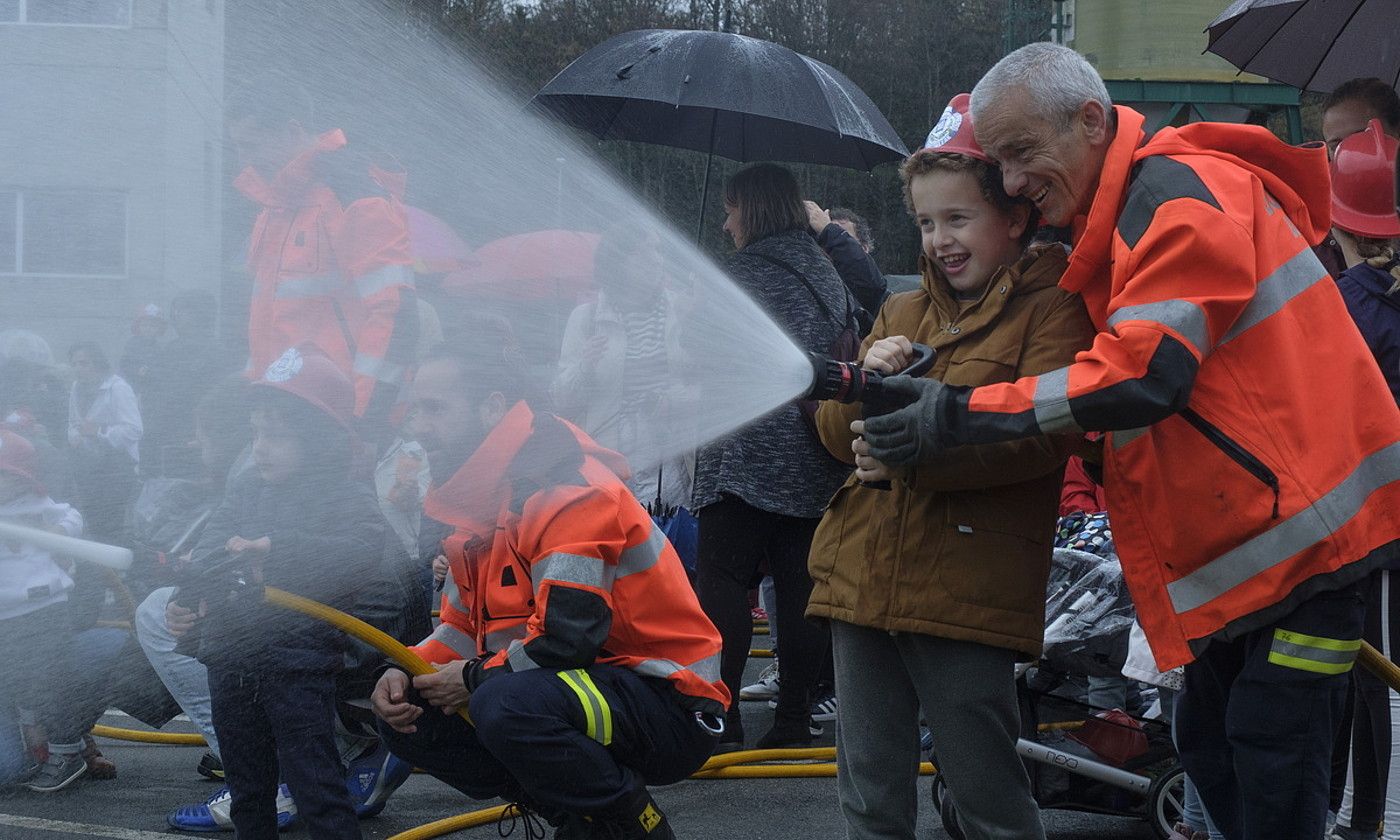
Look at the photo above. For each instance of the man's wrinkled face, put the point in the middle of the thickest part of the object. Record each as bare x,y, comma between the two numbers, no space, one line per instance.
1055,166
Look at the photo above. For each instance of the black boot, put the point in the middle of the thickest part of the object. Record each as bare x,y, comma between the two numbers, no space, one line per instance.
635,817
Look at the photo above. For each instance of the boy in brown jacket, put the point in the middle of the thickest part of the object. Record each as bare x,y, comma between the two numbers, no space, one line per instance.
936,587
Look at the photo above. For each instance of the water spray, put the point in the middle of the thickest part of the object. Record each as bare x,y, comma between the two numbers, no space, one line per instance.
848,382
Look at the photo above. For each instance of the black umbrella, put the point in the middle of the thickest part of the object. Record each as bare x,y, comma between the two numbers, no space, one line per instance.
721,94
1310,44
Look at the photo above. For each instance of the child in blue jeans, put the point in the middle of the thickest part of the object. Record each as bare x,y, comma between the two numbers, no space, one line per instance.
298,522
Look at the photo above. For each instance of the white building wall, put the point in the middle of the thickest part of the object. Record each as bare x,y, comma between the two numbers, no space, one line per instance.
130,109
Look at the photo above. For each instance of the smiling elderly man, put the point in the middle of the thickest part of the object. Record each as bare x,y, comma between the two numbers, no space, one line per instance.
1253,456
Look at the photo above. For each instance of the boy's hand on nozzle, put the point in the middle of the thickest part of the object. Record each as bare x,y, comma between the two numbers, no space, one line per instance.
238,545
440,570
390,702
446,689
868,469
889,355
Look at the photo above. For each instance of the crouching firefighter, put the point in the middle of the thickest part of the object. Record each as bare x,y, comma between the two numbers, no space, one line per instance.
569,630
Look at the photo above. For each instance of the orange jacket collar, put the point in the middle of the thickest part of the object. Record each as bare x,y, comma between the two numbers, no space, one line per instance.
1093,242
289,186
472,498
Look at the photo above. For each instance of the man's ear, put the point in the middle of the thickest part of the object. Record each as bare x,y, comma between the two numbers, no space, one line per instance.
493,410
1093,121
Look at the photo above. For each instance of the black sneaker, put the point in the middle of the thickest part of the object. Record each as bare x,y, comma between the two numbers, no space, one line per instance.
210,767
60,771
789,736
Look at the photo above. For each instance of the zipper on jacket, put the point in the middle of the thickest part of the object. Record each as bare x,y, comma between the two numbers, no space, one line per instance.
1235,452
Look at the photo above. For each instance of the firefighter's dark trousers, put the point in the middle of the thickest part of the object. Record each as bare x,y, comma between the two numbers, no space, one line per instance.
1257,717
573,741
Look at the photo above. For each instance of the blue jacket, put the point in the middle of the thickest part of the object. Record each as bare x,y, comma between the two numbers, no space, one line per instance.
1377,315
328,544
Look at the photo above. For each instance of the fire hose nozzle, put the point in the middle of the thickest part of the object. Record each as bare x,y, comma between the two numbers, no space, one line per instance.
846,382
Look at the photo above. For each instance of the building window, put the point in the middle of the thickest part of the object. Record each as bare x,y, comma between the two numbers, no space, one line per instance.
68,233
67,12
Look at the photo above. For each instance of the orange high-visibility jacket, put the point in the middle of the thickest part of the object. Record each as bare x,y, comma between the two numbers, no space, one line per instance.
554,564
335,275
1254,449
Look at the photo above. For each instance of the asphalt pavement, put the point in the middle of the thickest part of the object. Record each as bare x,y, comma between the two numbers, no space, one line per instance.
153,780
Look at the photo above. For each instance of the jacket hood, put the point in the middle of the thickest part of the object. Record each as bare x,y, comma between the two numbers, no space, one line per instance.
524,454
1296,176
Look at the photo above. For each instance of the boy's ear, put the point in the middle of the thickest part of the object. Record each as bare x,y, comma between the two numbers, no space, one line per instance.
493,410
1019,217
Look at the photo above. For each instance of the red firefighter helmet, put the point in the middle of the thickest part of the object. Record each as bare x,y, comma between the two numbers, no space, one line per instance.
953,133
1363,184
307,373
18,458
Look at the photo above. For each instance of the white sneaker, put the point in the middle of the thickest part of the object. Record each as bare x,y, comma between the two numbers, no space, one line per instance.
766,688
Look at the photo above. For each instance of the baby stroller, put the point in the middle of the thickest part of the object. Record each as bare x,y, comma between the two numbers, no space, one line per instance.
1082,758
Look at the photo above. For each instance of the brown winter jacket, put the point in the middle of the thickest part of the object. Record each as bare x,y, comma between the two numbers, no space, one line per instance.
960,546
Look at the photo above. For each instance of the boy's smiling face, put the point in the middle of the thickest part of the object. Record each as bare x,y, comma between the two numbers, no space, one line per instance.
963,235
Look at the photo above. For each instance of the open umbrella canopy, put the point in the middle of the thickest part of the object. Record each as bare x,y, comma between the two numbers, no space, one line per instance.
435,246
1310,44
528,266
725,94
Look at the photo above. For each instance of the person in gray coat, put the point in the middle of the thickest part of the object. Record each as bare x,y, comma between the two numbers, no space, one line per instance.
760,491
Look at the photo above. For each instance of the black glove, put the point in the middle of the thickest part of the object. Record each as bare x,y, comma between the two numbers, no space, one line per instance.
911,433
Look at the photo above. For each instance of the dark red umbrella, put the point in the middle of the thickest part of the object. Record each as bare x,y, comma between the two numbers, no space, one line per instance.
537,265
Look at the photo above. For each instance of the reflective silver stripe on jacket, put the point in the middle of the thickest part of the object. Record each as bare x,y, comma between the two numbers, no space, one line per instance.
1298,532
593,571
1052,411
313,286
460,643
501,639
454,595
373,282
1181,316
1301,272
517,657
706,669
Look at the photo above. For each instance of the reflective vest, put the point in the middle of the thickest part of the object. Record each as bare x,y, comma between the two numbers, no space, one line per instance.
338,276
554,564
1253,458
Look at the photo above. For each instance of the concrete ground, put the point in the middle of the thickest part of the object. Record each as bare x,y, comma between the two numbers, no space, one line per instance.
153,780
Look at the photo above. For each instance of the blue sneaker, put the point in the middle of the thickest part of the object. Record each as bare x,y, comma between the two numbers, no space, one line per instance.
213,815
373,778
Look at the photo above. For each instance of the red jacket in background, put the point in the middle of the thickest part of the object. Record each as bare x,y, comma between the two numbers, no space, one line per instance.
334,274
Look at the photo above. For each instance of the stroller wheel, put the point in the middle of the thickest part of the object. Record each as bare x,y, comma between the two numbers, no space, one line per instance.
1165,800
947,813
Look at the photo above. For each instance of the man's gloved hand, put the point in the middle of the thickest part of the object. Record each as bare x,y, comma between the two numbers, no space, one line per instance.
908,434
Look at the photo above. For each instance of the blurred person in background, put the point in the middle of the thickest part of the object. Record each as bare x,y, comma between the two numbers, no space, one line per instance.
329,253
760,491
621,368
104,432
1347,111
187,367
143,349
1366,228
847,240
